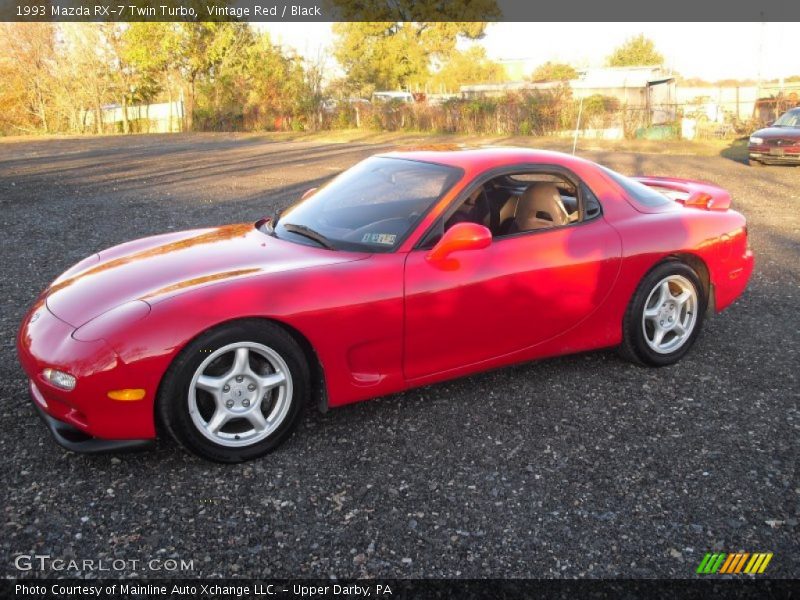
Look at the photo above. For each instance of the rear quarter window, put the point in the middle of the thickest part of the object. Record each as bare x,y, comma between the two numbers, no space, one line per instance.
638,192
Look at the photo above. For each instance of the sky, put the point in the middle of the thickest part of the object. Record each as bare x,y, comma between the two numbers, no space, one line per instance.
710,51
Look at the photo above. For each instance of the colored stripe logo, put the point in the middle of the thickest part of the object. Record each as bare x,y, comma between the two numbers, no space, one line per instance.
731,564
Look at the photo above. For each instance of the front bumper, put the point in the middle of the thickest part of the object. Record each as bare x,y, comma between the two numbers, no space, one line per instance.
47,342
790,156
75,440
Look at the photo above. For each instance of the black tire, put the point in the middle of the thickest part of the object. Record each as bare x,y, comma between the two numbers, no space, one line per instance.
635,346
755,163
173,404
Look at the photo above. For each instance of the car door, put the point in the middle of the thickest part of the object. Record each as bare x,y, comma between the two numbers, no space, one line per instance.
518,292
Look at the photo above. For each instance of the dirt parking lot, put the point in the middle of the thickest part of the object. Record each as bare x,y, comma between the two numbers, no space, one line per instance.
574,467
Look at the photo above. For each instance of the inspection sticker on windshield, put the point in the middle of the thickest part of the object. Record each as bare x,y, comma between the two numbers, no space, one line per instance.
387,239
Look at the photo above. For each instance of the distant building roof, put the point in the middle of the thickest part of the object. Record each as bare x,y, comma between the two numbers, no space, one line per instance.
617,77
512,86
391,94
594,79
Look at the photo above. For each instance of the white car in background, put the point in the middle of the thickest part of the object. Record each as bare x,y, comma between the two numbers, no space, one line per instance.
406,97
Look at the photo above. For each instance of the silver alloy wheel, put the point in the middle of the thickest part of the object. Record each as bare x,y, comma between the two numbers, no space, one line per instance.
235,404
670,314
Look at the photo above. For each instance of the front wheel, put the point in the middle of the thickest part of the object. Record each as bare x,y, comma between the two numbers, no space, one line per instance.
665,315
236,392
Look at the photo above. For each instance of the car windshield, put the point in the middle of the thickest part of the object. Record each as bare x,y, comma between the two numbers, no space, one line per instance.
789,119
371,207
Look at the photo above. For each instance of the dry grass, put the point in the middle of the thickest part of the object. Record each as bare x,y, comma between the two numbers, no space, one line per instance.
734,149
729,148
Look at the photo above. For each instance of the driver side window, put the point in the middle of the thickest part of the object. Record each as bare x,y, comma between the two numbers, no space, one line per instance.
475,208
519,202
536,201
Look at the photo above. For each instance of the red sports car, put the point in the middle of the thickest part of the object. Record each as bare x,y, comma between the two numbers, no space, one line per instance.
407,269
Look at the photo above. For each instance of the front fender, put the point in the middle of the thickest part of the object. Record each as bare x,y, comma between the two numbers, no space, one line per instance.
351,314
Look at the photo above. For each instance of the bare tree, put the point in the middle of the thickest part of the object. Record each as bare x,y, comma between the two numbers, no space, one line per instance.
29,48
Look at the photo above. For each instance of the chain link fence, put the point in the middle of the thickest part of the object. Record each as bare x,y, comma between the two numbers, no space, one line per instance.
557,113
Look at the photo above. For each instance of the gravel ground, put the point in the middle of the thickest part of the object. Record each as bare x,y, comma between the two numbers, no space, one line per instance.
583,466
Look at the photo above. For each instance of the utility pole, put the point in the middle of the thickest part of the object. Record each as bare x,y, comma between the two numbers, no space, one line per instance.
757,109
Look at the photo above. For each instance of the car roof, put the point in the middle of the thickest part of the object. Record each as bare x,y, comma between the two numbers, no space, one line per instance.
483,158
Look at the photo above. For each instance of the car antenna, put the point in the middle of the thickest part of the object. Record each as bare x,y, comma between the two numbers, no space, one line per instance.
577,127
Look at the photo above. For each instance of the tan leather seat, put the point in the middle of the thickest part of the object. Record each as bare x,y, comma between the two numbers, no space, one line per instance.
509,209
540,207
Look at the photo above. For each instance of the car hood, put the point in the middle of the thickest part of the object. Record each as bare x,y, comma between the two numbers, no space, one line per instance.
778,132
152,268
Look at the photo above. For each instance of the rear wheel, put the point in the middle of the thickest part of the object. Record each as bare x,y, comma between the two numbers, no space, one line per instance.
665,315
236,392
755,163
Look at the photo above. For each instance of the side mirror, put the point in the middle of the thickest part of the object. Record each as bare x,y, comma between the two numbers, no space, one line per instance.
461,236
307,193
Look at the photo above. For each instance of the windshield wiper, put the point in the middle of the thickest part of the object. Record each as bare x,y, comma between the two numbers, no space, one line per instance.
310,234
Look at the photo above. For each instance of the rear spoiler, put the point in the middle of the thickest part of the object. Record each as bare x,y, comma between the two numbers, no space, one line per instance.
690,193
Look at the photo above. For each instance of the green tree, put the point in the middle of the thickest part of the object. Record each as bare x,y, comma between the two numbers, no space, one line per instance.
125,77
408,11
153,49
60,77
273,83
468,67
395,54
227,71
636,51
203,49
554,71
149,48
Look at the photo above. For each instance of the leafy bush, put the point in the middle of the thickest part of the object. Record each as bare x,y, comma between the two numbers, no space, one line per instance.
528,113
